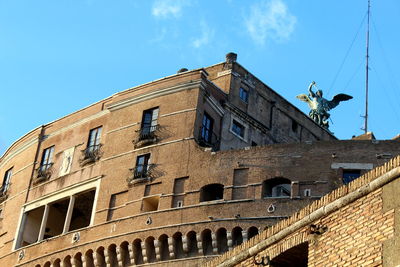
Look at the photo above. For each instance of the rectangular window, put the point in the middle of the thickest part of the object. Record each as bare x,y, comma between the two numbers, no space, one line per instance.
57,217
47,158
142,166
206,128
238,128
6,181
94,139
350,175
149,122
244,95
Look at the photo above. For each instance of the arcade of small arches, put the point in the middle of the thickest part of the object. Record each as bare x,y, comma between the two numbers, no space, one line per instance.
164,248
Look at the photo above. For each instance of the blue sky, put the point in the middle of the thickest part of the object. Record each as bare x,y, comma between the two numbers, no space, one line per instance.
59,56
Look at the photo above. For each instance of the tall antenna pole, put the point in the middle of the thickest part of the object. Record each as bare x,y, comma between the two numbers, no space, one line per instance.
366,76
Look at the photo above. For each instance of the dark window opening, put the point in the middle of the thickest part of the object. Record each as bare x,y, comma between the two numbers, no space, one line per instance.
94,139
163,245
237,236
142,166
150,249
350,175
206,241
238,128
295,125
82,211
149,124
46,164
207,128
294,257
244,95
276,187
32,221
192,243
222,240
6,181
212,192
177,245
93,149
56,218
252,232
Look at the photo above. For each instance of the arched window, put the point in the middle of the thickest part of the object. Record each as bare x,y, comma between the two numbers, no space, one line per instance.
211,192
237,237
252,232
164,249
192,248
222,240
276,187
177,244
137,251
124,250
206,241
150,249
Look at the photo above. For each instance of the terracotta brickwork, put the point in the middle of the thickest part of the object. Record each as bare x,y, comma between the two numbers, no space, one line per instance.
357,232
176,171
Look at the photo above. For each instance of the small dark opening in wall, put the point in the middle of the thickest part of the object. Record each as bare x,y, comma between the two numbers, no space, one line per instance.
82,212
211,192
294,257
295,126
350,175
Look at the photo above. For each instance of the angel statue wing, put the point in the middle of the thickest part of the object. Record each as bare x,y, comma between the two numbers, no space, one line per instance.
305,98
336,100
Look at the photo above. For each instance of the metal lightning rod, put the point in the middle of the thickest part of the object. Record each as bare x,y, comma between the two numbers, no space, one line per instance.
366,76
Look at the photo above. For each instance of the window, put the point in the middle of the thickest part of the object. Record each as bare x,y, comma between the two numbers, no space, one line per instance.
244,95
350,175
149,123
211,192
238,128
307,192
55,218
276,187
93,149
94,139
142,166
6,181
47,158
206,128
150,203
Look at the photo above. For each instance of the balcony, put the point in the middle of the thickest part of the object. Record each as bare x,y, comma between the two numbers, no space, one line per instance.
141,173
206,138
44,172
146,135
3,193
91,154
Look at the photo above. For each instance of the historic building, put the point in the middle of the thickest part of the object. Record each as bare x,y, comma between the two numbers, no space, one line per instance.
172,173
354,225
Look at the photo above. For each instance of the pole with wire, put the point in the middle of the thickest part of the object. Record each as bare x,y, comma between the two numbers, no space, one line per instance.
366,76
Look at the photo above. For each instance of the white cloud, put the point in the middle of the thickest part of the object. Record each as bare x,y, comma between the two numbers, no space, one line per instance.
207,34
270,19
168,8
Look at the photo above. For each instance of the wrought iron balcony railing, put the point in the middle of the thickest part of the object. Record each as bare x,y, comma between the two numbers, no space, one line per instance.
91,154
141,172
208,138
44,171
148,132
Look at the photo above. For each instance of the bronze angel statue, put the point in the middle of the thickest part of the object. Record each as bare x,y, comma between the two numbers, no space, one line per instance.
320,106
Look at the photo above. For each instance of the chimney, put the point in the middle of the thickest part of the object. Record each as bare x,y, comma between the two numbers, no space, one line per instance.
231,58
182,70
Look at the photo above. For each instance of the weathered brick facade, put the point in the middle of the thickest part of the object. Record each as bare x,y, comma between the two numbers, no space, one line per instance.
354,225
173,172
